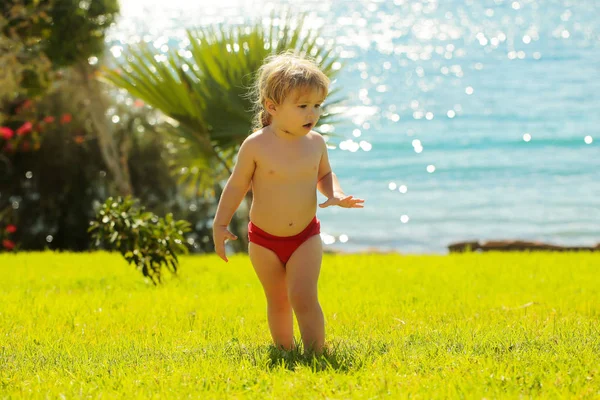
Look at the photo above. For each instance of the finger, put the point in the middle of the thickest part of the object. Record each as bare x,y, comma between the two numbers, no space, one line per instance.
352,204
231,236
220,250
356,206
353,198
223,257
355,201
221,254
325,204
359,204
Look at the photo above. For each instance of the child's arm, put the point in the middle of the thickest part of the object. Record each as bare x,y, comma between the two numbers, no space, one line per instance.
329,185
235,189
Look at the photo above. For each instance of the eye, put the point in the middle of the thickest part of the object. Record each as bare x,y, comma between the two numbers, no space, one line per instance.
318,105
302,106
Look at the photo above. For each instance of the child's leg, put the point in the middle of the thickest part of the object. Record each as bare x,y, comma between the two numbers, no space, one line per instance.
271,273
303,270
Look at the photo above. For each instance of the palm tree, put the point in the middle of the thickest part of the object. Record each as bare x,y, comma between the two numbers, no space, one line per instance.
203,91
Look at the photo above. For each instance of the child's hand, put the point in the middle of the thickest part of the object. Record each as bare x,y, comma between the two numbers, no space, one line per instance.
220,234
341,200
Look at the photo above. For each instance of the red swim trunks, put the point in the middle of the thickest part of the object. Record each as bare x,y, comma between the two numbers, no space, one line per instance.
283,246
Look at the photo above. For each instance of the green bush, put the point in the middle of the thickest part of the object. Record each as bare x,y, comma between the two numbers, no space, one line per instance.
143,239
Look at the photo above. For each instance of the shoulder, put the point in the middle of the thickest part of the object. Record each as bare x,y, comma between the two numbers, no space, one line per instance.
249,147
253,137
256,145
252,141
260,137
316,137
318,140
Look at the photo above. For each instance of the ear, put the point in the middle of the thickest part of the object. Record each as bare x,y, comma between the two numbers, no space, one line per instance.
270,106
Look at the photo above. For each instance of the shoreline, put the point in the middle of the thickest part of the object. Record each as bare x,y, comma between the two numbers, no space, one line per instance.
506,245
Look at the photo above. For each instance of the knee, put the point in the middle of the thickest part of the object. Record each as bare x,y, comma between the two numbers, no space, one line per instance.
278,305
303,302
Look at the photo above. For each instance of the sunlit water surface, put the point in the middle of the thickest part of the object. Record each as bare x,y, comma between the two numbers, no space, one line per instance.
464,119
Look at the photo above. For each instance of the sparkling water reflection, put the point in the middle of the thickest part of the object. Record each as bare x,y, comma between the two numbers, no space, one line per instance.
488,110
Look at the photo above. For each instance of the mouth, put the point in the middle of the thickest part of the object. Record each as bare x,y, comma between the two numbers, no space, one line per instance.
308,126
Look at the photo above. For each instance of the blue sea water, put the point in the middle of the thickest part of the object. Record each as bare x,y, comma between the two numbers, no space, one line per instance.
463,120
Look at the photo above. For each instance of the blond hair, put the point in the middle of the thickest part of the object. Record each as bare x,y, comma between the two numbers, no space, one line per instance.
278,76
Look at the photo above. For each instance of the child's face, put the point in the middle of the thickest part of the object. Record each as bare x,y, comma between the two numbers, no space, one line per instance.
299,112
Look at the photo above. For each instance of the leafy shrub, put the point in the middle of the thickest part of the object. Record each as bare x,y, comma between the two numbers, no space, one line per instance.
143,239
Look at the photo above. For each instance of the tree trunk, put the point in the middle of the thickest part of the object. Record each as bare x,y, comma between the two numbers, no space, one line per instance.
95,104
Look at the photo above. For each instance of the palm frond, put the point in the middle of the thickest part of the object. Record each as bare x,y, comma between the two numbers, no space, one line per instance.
207,93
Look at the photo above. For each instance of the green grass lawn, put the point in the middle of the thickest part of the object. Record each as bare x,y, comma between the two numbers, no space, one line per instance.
499,325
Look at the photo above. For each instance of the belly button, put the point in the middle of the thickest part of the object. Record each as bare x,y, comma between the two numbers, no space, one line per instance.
291,223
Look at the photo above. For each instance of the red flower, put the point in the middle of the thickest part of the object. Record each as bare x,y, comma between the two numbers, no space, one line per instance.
138,103
79,139
49,119
8,244
23,106
11,229
66,118
24,129
6,132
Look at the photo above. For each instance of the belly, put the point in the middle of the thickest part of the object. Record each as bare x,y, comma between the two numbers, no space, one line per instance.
283,209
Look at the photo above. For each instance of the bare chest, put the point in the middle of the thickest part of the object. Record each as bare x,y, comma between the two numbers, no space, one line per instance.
300,164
